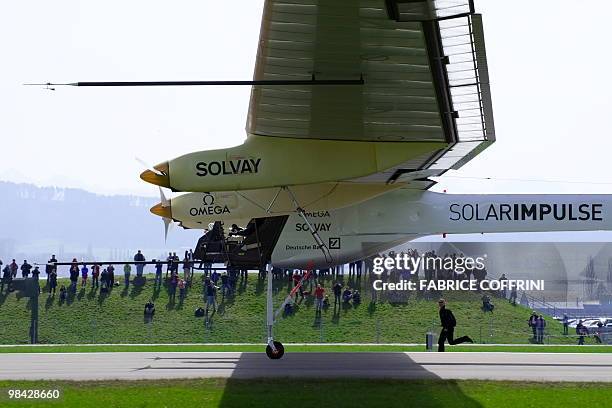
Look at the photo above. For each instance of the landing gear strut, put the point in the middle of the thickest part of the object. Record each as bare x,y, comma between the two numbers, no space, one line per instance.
274,349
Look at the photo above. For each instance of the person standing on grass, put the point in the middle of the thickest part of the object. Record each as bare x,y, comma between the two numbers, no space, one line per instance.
25,269
52,281
447,319
187,267
175,263
50,266
127,271
214,277
225,288
565,324
14,269
74,275
84,273
540,325
169,260
95,275
319,296
581,331
181,286
532,323
139,257
6,278
104,280
503,291
36,273
158,271
110,276
210,290
337,288
172,287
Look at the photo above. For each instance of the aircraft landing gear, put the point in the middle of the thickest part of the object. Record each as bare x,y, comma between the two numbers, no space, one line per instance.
277,352
274,349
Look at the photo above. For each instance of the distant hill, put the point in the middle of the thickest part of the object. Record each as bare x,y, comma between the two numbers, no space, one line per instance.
39,220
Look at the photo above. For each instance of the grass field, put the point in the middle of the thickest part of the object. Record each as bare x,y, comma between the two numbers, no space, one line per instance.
313,393
89,317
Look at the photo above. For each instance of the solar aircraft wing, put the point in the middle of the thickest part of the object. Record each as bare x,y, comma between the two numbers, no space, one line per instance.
424,69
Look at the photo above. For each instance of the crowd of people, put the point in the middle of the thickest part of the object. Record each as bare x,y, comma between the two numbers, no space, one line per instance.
304,284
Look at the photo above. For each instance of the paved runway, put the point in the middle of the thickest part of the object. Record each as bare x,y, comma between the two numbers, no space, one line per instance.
131,366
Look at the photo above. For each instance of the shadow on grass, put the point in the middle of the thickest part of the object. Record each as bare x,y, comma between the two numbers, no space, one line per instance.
156,291
70,297
136,291
92,293
260,287
102,297
49,301
242,285
371,308
221,308
81,294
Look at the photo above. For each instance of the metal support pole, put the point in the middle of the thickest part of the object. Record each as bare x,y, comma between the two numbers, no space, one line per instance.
34,316
270,308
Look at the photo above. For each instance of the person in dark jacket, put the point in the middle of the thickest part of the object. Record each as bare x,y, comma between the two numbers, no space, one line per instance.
149,311
337,288
111,276
581,331
139,257
447,319
210,292
14,269
74,275
540,325
25,269
52,281
50,266
7,277
532,323
36,273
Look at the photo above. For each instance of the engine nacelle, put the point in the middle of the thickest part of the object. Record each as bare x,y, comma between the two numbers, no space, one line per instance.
197,210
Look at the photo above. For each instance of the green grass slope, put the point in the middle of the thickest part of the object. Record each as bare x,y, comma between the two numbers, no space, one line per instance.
89,317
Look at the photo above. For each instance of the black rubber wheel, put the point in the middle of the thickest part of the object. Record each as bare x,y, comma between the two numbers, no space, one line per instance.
280,351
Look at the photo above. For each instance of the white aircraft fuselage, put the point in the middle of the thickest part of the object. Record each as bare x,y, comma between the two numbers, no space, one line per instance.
376,225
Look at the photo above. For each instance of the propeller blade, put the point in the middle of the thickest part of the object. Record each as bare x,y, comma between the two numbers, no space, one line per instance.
164,201
167,224
148,166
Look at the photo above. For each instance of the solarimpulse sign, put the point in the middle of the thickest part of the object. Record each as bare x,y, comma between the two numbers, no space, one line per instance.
526,212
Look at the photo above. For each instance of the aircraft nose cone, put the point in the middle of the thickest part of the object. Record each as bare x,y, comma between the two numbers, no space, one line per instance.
159,179
165,212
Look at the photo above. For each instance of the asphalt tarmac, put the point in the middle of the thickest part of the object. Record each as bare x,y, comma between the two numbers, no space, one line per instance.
461,365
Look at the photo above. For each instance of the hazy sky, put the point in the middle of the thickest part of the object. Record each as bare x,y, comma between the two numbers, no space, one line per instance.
548,61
